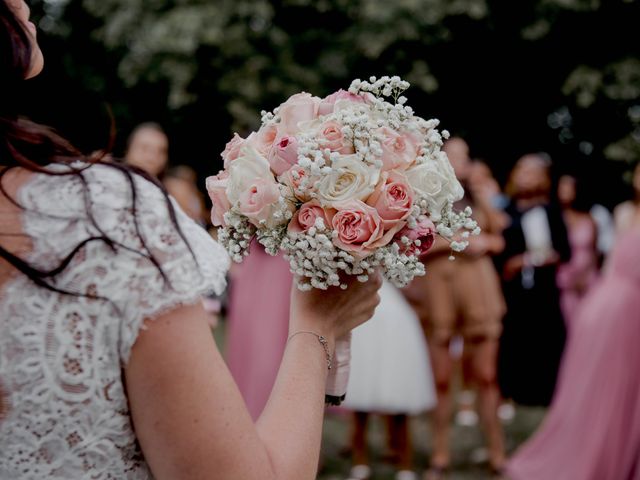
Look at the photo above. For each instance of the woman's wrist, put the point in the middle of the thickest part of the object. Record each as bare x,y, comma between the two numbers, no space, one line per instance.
320,326
328,349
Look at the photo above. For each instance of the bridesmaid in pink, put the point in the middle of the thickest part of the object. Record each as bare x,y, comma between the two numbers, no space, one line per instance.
592,431
577,276
258,324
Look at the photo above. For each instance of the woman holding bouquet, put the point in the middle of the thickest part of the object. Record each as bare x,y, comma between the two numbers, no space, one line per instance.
107,365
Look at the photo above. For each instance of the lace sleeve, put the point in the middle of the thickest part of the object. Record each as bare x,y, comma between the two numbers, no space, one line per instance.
147,270
171,273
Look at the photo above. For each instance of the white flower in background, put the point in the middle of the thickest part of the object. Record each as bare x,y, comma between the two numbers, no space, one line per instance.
349,179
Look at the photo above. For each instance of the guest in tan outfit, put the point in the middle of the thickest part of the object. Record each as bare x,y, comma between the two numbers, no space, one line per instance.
464,297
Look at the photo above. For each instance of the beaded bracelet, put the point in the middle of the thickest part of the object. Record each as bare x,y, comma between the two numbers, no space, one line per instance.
323,341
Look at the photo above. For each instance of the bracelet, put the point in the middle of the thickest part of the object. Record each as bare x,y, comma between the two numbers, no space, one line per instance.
323,341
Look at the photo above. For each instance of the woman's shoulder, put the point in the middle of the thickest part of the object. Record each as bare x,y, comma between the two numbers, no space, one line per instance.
136,220
69,191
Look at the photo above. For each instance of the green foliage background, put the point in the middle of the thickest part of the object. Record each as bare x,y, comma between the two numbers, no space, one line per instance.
512,76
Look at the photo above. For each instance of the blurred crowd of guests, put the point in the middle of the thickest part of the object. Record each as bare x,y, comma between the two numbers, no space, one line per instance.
493,324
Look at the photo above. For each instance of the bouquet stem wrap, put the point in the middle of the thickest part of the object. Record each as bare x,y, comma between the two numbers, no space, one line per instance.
336,387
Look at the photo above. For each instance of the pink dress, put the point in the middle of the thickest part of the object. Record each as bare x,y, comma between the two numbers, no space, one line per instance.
576,277
592,431
258,324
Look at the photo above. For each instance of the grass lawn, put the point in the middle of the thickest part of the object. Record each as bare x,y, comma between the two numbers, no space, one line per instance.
466,442
466,445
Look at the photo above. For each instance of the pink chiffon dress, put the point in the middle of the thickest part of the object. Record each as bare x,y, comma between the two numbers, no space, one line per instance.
577,276
592,431
260,289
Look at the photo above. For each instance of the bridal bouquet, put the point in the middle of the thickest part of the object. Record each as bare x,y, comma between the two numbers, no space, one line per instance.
347,184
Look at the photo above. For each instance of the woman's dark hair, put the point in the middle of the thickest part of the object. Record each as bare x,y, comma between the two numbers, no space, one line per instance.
29,145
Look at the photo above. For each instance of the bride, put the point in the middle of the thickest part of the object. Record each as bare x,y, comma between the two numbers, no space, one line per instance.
108,369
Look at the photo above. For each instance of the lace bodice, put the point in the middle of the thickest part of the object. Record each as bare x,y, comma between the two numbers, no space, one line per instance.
61,356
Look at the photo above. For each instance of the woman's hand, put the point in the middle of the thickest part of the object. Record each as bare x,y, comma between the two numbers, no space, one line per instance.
334,312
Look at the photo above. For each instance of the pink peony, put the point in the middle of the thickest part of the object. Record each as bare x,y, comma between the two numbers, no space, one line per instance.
257,202
301,107
327,105
284,154
399,151
232,150
358,227
216,187
425,231
263,139
331,137
392,198
306,217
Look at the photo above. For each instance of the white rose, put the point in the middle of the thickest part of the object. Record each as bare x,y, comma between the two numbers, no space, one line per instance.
351,179
456,192
437,182
243,171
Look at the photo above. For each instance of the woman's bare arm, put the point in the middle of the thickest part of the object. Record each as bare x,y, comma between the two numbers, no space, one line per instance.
188,413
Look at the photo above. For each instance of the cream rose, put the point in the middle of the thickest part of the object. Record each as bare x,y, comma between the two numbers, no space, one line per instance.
302,107
351,179
216,188
232,149
456,191
263,139
244,170
259,202
399,151
437,183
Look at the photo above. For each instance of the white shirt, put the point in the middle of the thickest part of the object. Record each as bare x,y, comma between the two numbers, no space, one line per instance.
62,356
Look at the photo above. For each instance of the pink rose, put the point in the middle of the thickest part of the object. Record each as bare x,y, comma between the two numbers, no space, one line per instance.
284,154
216,187
301,107
328,104
425,232
306,217
331,137
358,227
263,139
257,202
293,179
392,198
399,151
232,150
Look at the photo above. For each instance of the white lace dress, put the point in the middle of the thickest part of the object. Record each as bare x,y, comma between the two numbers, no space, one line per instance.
61,356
